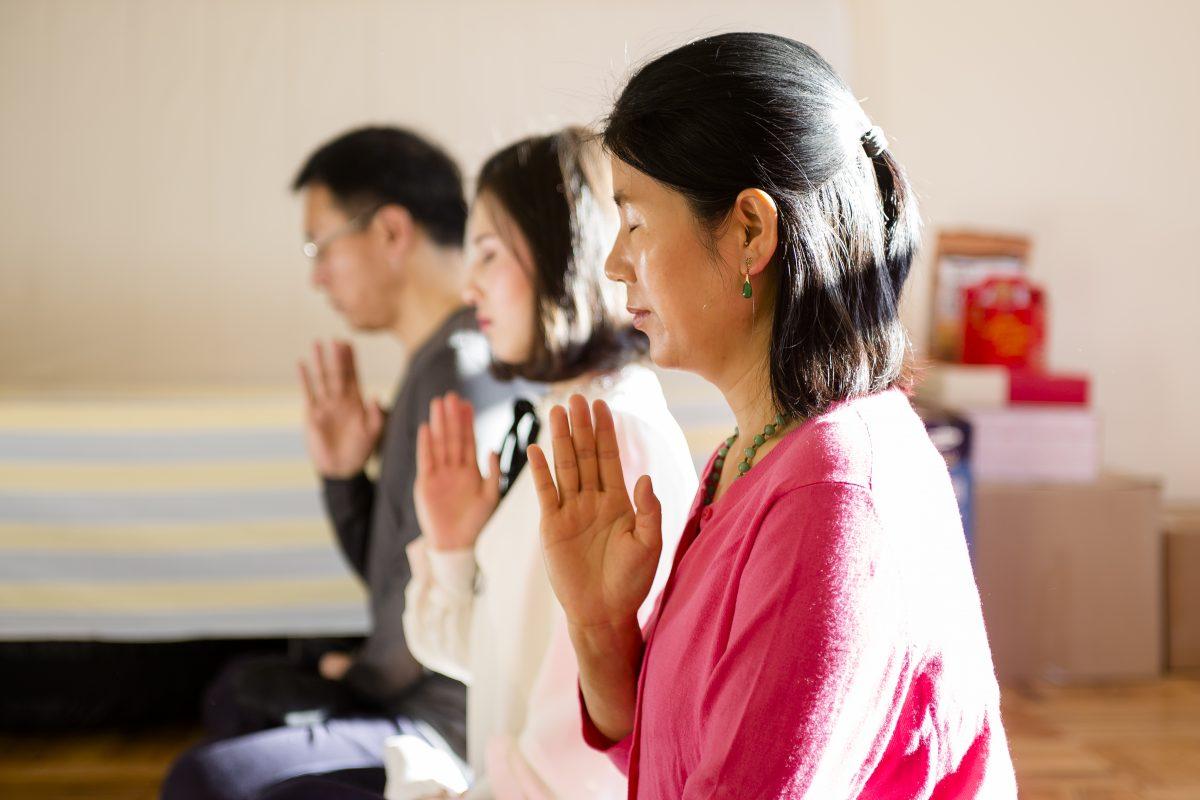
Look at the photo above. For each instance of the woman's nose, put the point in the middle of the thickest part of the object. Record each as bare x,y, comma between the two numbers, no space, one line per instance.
470,292
617,267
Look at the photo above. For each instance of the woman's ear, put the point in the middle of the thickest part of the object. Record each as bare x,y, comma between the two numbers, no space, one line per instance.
396,225
756,220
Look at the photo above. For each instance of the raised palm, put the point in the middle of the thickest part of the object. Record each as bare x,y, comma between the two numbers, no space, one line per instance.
601,553
453,499
341,430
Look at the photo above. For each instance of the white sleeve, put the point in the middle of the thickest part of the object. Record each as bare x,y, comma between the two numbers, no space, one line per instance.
551,761
438,605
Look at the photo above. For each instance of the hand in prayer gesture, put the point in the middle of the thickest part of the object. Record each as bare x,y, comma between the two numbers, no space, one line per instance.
601,552
453,499
341,430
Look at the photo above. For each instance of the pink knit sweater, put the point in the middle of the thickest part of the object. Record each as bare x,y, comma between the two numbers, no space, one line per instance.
821,634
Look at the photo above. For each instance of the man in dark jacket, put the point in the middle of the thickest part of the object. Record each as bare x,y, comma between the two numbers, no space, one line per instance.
384,217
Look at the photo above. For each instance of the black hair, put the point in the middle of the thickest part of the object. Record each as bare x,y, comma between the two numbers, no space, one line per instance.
752,110
555,191
370,167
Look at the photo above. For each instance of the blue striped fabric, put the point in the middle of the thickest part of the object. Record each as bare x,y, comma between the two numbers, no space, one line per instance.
165,517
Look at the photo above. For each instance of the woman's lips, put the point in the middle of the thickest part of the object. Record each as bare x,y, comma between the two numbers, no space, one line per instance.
639,316
483,323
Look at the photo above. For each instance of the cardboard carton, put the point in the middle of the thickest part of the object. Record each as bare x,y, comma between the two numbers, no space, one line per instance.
1070,578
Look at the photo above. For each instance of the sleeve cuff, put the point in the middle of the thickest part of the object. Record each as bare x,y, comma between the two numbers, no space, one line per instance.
346,488
453,571
618,751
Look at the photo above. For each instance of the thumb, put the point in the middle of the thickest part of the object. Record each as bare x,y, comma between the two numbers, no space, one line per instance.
491,484
375,416
647,525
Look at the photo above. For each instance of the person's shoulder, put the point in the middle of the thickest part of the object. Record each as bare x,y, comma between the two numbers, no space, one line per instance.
834,448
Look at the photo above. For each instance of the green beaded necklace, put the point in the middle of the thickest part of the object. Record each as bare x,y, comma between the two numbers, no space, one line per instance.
743,466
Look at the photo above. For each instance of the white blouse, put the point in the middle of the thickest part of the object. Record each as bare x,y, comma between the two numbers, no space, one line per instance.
488,617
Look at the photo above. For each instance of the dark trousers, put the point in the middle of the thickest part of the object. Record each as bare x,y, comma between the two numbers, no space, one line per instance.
331,732
257,692
243,767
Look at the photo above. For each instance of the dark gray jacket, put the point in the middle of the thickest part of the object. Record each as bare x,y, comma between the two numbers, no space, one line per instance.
376,520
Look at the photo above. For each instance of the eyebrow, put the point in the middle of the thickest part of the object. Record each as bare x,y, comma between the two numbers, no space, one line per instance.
483,236
620,199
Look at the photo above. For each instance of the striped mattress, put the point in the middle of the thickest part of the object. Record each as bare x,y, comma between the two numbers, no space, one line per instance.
165,516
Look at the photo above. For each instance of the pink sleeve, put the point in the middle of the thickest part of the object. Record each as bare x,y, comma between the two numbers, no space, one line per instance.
617,751
795,705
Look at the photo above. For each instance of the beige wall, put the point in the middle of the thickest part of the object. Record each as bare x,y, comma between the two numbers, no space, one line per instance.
147,236
1077,123
146,231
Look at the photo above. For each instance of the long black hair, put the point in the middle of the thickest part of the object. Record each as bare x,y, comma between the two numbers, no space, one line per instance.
556,191
753,110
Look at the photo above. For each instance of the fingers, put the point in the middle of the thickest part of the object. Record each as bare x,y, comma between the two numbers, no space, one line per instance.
467,424
375,417
566,470
321,374
306,381
343,378
437,430
547,494
425,460
608,453
491,485
585,443
348,366
452,419
647,526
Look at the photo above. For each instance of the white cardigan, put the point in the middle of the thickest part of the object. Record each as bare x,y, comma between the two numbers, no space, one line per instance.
488,617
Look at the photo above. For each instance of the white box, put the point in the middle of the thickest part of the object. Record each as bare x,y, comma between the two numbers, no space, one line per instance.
1035,444
960,387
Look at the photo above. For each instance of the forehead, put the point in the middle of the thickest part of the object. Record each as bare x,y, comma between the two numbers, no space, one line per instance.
480,219
631,186
320,205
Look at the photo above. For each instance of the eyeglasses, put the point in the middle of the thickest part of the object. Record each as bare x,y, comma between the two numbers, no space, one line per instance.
313,250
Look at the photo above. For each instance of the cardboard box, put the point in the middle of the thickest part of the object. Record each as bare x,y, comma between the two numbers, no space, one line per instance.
1182,561
1070,578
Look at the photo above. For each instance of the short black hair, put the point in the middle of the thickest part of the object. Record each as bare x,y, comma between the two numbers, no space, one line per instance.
555,190
374,166
743,111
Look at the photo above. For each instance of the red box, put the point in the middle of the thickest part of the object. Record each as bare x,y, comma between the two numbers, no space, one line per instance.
1005,323
1031,386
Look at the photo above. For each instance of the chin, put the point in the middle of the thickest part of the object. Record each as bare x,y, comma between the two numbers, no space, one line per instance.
662,354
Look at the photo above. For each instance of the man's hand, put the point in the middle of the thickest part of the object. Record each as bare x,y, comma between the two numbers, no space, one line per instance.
342,431
334,665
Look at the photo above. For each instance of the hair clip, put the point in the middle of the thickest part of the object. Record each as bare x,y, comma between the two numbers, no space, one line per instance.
874,142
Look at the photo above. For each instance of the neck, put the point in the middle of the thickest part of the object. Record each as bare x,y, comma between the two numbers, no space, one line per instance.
747,391
429,296
744,375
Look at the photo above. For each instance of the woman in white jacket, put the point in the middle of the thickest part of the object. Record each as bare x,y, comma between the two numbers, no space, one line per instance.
479,606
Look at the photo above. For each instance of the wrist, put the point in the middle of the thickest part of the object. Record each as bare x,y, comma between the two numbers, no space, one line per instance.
619,639
336,474
450,543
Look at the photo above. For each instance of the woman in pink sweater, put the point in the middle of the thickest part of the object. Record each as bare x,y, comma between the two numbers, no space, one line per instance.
821,634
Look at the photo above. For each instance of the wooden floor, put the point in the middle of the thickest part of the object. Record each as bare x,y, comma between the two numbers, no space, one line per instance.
1127,742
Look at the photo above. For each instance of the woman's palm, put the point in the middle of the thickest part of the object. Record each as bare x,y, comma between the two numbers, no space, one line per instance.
601,553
